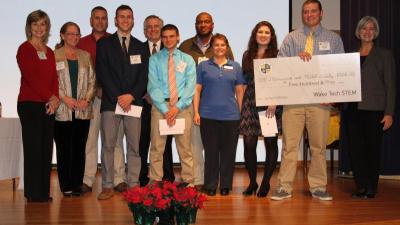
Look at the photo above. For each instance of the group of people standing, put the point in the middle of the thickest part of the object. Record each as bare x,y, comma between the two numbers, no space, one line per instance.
72,93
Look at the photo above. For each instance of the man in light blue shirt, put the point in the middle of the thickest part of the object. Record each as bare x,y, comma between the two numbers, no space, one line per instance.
165,108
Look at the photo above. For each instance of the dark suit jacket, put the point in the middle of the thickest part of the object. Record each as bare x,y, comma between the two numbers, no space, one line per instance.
378,82
117,75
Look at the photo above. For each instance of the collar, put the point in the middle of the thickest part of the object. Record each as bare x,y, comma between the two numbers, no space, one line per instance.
158,43
228,62
165,51
120,35
307,30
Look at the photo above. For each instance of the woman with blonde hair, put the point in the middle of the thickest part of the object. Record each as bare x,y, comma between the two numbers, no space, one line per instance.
37,102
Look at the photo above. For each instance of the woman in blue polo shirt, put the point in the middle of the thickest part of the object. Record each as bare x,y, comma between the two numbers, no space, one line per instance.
217,103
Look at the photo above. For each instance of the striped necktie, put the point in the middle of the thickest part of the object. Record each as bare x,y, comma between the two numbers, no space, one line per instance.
309,48
173,95
154,50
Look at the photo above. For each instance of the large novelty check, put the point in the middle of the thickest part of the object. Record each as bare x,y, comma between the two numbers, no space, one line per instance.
324,79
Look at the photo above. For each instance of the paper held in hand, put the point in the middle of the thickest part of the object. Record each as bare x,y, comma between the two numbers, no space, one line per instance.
178,128
136,111
269,128
323,79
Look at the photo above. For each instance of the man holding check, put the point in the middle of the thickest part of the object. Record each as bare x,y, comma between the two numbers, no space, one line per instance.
172,79
312,39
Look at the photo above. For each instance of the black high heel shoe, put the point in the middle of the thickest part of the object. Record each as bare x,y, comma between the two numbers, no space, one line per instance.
250,190
263,192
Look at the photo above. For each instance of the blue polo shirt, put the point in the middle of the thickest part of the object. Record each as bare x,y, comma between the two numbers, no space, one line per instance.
218,99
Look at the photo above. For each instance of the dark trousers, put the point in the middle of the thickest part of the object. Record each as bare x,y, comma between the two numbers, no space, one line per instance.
250,158
37,138
70,138
144,145
365,143
219,141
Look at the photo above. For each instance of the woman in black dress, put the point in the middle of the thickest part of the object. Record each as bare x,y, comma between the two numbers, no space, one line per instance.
262,44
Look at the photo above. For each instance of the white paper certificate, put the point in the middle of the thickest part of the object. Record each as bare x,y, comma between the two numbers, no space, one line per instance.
178,128
136,111
269,128
323,79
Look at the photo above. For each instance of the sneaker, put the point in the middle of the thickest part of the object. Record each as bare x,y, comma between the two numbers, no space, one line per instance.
322,195
86,188
106,193
121,187
280,194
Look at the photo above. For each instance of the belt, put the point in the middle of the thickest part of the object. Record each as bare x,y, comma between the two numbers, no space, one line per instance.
167,99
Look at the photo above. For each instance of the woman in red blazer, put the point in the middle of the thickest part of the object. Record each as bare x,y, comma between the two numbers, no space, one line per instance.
37,102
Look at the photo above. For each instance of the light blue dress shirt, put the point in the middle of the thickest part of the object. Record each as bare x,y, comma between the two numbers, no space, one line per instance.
158,85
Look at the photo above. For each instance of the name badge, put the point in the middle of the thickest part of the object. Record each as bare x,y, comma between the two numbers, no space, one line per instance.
60,66
135,59
181,67
324,46
41,55
226,67
201,59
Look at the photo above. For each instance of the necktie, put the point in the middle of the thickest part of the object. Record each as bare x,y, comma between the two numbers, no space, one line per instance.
173,96
154,50
124,46
309,48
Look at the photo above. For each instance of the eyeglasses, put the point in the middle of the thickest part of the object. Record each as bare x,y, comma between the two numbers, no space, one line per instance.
149,27
73,34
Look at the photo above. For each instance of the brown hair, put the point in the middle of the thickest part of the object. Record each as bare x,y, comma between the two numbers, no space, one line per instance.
252,48
63,30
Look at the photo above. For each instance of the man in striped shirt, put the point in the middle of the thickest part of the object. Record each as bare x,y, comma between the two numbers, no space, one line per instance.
311,39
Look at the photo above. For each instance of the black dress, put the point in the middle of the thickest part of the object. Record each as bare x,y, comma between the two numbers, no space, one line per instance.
250,122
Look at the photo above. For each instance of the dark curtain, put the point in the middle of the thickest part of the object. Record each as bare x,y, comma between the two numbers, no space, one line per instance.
388,15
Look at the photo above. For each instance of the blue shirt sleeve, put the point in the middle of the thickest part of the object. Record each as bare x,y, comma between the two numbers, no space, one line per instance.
199,79
239,75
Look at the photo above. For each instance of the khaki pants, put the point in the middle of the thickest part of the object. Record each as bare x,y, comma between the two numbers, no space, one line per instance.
92,149
182,143
316,119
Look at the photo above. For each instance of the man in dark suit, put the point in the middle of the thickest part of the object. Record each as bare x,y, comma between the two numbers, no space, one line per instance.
121,67
152,31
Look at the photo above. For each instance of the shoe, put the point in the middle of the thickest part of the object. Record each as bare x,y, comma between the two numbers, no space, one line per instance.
280,194
67,193
86,188
39,200
211,192
77,192
360,194
106,193
224,191
263,192
250,190
370,194
322,195
121,187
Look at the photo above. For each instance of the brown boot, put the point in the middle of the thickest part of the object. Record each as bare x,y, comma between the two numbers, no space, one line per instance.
106,193
121,187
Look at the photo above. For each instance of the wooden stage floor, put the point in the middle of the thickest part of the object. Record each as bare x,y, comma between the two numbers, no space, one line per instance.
234,209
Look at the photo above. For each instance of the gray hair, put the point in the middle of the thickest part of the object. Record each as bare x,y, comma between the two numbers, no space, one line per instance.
364,21
152,17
